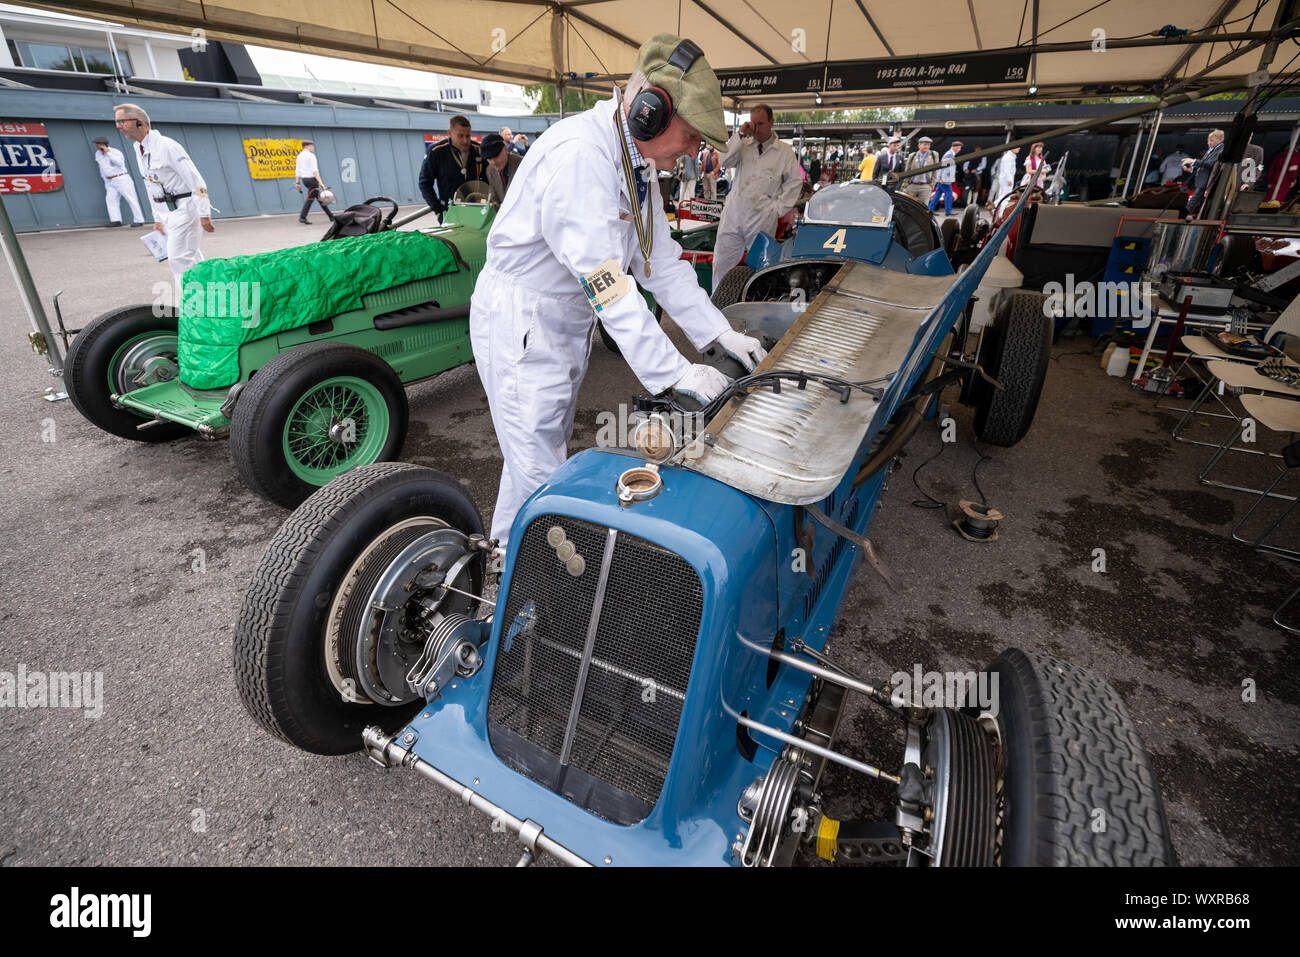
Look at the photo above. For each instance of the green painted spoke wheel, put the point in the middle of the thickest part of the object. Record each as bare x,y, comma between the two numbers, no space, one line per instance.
340,424
313,413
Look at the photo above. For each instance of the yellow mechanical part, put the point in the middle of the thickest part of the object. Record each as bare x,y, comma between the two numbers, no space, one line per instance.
828,831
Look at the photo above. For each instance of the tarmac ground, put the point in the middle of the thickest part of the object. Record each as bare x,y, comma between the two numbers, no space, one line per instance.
100,550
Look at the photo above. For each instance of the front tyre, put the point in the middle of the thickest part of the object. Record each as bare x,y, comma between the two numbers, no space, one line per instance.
1078,787
314,662
116,353
313,413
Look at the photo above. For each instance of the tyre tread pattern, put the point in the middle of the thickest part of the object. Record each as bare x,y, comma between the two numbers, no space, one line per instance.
732,286
1026,352
1086,754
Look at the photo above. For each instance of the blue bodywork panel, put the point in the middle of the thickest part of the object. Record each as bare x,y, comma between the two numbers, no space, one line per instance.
757,595
861,243
743,551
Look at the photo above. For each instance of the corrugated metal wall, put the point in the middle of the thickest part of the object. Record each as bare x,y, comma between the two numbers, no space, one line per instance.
387,147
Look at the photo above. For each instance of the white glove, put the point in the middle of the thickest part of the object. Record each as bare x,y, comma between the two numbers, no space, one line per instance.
746,350
701,383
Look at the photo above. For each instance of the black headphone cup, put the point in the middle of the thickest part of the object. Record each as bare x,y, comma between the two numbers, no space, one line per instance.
649,114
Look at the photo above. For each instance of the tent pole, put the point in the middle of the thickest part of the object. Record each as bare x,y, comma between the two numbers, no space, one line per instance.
1290,150
1132,160
42,339
1151,144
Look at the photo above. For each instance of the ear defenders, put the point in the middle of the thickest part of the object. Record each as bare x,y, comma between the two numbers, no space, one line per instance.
652,109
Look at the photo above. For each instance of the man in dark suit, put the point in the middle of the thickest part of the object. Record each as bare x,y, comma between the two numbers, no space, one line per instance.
892,160
449,165
1201,169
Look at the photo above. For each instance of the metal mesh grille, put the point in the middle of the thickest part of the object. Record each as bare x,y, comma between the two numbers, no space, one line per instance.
537,672
641,658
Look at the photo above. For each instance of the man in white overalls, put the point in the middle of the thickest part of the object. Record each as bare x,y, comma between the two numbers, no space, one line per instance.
177,193
583,219
117,183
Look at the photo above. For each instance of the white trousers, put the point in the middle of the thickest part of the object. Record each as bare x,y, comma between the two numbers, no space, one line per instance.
117,189
688,190
531,352
730,247
183,232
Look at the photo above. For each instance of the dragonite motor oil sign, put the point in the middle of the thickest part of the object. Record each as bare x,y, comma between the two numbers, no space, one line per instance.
27,162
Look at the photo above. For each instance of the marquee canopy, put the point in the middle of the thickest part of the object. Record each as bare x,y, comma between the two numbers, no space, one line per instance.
847,52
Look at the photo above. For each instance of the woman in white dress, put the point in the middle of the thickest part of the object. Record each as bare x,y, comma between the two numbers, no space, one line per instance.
1034,165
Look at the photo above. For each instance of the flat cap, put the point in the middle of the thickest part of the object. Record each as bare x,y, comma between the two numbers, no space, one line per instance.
100,139
693,88
492,144
925,139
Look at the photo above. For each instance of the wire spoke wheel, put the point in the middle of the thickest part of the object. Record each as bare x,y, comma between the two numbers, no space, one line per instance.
336,425
313,413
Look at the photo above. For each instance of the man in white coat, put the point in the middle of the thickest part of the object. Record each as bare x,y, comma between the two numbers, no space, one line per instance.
766,185
582,220
1004,175
117,183
178,196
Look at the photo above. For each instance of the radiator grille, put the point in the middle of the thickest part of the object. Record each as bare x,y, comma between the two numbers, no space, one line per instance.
640,659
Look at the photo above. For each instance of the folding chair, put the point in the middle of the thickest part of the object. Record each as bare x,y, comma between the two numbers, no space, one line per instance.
1241,376
1277,415
1284,333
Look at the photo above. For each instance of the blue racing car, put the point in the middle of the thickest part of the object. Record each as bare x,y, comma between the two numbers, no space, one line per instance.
652,683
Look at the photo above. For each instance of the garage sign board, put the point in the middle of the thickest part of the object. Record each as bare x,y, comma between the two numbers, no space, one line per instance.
962,69
272,159
27,162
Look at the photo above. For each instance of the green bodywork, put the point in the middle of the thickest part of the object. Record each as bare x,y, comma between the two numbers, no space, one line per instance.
415,352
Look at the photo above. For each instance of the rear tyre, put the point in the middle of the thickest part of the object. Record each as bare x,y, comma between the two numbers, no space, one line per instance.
314,578
970,220
119,352
732,286
948,232
313,413
1015,349
1078,787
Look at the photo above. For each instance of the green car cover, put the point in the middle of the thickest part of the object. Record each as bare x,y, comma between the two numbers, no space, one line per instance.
227,302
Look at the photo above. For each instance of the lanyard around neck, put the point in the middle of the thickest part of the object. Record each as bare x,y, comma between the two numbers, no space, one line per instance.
644,230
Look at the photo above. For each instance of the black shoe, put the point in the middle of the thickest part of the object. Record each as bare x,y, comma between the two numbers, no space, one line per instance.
305,222
111,225
136,225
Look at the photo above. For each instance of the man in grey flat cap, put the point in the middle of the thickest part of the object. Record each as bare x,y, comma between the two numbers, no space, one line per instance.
920,187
